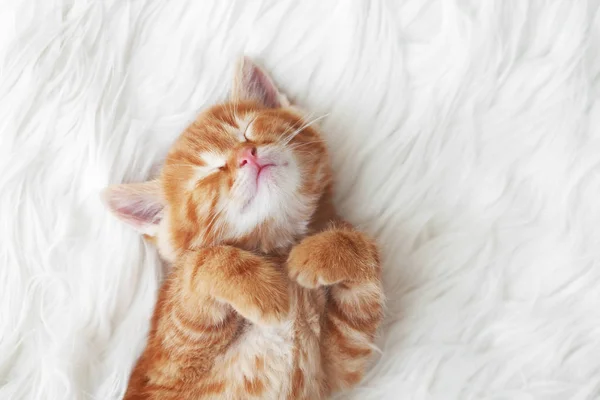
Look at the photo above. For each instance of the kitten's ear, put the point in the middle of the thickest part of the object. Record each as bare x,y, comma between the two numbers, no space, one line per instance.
138,204
252,83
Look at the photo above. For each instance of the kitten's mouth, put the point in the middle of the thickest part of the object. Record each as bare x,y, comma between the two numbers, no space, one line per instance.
260,177
262,169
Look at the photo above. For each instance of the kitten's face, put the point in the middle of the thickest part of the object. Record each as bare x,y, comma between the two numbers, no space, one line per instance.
243,170
248,172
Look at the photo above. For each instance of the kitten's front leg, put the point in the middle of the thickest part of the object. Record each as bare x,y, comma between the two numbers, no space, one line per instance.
347,262
253,286
198,314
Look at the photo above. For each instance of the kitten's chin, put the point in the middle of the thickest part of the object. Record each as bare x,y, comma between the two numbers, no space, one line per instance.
275,214
274,228
272,238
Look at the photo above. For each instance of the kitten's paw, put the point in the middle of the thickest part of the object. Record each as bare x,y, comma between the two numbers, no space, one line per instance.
304,268
264,297
256,288
333,256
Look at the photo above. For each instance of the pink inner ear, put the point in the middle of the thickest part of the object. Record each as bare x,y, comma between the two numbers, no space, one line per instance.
137,204
259,86
140,213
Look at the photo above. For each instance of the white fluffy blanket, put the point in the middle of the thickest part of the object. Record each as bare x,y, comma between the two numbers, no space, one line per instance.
465,137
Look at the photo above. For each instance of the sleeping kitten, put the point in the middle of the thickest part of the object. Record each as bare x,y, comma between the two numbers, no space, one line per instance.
270,295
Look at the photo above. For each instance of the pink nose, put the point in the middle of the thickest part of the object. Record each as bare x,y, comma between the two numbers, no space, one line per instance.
248,156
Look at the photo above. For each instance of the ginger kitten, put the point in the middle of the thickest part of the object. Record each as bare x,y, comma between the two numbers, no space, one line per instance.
271,295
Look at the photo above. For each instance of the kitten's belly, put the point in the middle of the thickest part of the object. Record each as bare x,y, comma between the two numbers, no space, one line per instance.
273,362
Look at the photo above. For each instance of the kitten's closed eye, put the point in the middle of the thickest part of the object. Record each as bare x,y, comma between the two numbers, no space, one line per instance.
246,132
213,163
213,160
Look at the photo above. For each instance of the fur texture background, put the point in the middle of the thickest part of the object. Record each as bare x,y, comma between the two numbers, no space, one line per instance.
465,136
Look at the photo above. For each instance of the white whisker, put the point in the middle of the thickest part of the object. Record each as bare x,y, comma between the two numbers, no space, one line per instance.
306,125
287,138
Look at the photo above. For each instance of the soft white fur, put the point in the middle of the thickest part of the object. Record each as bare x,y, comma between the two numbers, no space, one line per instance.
465,136
274,194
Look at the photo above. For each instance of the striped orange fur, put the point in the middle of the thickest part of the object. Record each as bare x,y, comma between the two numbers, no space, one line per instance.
270,294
